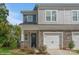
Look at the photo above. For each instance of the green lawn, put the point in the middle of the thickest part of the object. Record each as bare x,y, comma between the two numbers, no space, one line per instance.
5,51
8,51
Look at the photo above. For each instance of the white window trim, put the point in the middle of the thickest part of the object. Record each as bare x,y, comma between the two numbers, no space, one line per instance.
31,16
51,15
72,15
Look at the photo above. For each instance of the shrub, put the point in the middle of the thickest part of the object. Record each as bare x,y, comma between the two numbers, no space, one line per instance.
42,50
71,45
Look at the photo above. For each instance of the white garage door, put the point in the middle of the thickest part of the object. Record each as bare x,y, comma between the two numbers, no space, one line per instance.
76,40
51,41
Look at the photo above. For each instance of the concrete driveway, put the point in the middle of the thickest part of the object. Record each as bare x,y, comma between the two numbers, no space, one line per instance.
61,52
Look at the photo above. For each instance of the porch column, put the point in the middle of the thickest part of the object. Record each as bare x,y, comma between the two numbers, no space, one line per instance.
22,38
38,39
22,35
40,35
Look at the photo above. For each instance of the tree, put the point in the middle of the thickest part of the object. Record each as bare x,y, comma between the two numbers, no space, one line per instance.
3,13
9,34
15,36
4,33
17,33
4,26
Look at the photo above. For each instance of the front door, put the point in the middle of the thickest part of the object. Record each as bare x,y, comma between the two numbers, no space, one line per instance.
33,40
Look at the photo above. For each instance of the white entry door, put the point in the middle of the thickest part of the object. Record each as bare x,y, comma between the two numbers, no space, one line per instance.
51,41
76,41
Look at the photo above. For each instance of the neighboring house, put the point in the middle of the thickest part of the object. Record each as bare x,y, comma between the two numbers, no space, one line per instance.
53,25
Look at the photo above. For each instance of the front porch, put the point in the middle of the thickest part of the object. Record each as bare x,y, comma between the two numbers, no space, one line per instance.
30,38
35,38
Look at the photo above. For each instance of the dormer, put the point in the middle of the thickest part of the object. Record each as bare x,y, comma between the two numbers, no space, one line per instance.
29,17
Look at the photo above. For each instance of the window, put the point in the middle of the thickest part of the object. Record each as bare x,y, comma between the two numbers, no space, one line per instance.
50,15
25,18
75,15
29,18
53,15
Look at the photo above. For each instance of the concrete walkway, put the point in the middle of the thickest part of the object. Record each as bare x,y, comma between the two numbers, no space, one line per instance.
61,52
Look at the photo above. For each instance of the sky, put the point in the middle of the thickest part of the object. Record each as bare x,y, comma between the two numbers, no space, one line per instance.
15,16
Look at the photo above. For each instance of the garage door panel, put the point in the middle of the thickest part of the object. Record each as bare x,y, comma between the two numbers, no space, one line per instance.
76,41
51,41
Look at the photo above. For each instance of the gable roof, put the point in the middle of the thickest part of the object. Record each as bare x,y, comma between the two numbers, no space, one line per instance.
57,6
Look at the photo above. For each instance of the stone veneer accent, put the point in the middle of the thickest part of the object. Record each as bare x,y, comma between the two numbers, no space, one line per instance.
40,39
67,37
24,44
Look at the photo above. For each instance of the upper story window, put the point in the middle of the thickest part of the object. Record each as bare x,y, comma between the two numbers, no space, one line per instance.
50,15
29,18
53,15
75,15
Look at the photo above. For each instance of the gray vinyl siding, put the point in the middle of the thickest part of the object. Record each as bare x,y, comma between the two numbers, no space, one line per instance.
63,17
64,13
41,17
